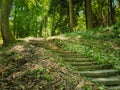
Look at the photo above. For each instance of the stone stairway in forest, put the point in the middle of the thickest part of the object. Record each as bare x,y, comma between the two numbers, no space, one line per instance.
99,73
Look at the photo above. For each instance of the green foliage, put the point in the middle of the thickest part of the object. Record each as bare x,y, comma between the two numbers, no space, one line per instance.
100,12
61,62
100,44
51,17
27,17
86,87
101,87
40,70
40,74
17,56
48,77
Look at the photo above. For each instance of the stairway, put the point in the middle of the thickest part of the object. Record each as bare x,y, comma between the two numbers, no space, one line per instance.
100,73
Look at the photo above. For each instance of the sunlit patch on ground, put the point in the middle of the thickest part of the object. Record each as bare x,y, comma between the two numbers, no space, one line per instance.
60,37
1,41
27,39
18,48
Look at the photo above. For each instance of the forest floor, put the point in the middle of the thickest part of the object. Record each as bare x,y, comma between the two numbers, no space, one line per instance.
30,65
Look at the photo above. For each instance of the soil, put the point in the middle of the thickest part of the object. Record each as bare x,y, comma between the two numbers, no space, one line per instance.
30,65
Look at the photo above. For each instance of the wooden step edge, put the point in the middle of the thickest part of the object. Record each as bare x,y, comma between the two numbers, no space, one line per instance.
100,73
82,63
113,87
107,81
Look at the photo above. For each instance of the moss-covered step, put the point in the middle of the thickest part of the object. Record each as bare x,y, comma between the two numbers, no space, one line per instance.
81,59
100,73
114,88
64,51
83,63
93,67
112,81
68,54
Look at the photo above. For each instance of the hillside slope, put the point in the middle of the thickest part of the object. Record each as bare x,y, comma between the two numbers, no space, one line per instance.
30,65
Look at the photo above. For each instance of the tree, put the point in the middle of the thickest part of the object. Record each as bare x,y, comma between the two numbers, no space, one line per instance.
5,12
119,3
59,13
88,11
100,13
71,15
111,12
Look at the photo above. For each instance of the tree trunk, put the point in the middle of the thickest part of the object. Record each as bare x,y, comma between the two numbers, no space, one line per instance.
119,3
111,13
71,15
6,34
14,28
88,11
0,23
53,23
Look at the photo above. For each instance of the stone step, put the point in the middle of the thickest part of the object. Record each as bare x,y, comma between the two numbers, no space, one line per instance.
78,59
112,81
64,51
93,67
69,55
82,63
100,73
114,88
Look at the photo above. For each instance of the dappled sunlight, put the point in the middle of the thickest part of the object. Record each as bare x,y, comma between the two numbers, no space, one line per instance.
17,48
60,45
27,39
1,42
60,37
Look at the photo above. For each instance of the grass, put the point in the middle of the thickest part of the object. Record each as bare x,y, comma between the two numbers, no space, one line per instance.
100,44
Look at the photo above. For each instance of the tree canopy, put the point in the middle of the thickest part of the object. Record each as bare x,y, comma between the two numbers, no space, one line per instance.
43,18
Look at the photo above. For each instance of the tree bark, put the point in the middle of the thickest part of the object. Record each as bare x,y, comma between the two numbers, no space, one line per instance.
71,15
111,13
88,11
14,27
5,11
0,23
119,3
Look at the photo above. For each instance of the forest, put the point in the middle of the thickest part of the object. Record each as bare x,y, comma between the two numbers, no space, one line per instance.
59,44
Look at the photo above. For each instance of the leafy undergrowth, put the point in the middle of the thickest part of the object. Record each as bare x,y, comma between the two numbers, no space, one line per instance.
26,66
102,44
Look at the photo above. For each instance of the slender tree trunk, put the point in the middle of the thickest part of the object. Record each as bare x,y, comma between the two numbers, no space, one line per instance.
60,16
45,25
119,3
14,28
6,34
0,22
111,13
71,15
53,23
88,11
